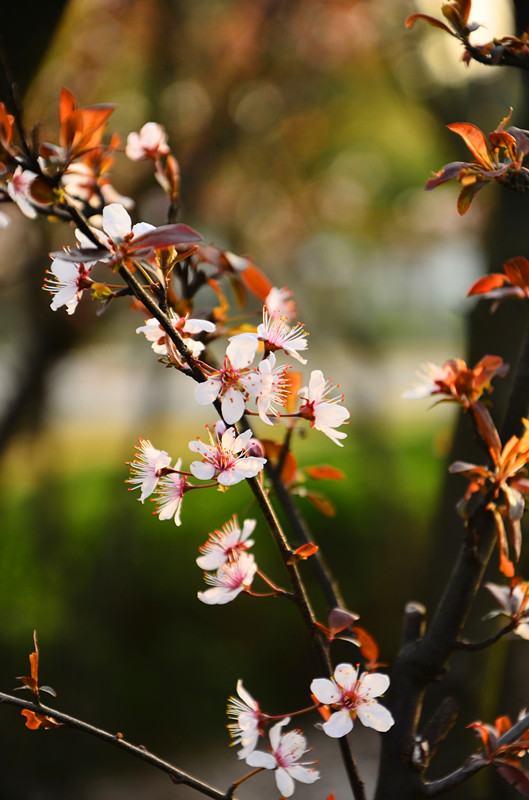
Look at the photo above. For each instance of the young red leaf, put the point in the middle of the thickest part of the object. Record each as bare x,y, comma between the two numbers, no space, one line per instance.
322,504
368,647
325,473
475,141
430,20
486,284
516,776
517,271
466,195
35,721
256,282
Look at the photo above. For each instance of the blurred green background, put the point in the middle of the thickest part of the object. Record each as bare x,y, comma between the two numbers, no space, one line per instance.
305,131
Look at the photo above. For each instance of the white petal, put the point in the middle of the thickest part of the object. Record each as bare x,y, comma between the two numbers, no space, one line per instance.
325,690
374,684
207,392
303,774
116,221
345,675
338,724
284,782
232,406
260,759
373,715
241,351
202,471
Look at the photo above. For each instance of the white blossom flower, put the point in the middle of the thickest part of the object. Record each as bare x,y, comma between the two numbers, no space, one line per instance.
429,378
322,411
231,578
247,728
18,190
226,458
66,284
268,384
287,749
277,335
169,494
514,603
352,696
146,467
226,544
282,301
150,142
187,328
228,383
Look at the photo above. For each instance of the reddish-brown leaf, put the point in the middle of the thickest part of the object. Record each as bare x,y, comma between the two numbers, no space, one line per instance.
475,141
430,20
517,271
486,284
324,472
466,195
256,282
368,646
322,504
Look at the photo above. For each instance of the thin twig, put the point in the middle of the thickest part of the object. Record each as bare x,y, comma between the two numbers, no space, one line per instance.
177,775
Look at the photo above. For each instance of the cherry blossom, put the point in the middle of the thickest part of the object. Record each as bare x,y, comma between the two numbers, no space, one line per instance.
286,750
268,384
513,602
126,243
456,381
322,411
226,544
351,696
145,469
187,328
231,578
150,142
247,728
277,335
282,301
169,494
18,190
229,382
66,284
226,458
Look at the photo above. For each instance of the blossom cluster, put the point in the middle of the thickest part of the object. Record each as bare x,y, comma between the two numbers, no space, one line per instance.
340,699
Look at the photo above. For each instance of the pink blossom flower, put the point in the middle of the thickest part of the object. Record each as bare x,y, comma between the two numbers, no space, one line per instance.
430,378
352,696
286,750
226,544
187,328
150,142
169,494
231,578
514,603
226,458
18,190
322,411
67,283
229,383
126,243
247,728
145,469
282,301
277,335
268,384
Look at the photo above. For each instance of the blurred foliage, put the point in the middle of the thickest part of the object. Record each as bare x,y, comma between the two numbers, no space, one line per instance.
305,131
112,593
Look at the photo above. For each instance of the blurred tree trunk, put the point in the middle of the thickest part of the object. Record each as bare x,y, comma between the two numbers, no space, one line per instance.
501,334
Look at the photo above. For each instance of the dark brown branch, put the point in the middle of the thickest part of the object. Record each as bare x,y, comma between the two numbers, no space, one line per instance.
463,644
177,775
476,762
